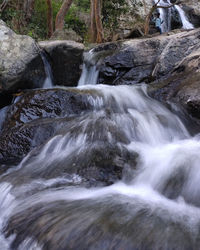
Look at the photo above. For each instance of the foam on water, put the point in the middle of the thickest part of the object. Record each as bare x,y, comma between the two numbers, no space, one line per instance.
165,152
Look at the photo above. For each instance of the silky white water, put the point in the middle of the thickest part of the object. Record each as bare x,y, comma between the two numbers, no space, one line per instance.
166,15
154,205
48,82
185,23
90,71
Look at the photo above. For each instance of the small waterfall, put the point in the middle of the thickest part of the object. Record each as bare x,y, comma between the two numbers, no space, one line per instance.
185,23
166,16
48,82
90,70
47,201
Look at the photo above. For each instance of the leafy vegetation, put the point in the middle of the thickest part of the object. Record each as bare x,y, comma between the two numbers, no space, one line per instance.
77,17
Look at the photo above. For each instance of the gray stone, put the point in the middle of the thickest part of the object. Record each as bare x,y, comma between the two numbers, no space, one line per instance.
21,66
66,34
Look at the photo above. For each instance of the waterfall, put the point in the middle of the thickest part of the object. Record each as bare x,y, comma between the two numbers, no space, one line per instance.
90,71
48,82
165,15
126,172
185,23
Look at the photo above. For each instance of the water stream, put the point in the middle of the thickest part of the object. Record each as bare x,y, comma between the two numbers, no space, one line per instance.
48,82
90,71
123,176
166,16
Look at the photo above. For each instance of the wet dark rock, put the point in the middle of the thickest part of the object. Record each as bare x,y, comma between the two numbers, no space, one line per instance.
101,163
5,99
21,66
147,59
66,59
182,86
34,117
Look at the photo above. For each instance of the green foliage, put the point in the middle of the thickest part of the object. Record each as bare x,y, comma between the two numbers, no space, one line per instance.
111,11
76,18
73,21
83,5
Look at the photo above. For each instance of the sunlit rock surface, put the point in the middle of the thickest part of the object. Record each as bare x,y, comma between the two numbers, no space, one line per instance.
21,66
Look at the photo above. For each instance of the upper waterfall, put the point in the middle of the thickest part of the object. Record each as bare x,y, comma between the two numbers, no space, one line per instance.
166,15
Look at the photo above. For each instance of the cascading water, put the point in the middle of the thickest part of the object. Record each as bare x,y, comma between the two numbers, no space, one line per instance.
165,14
56,197
185,23
90,71
48,82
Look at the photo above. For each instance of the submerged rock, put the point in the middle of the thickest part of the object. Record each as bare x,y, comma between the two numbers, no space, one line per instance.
110,222
66,60
21,66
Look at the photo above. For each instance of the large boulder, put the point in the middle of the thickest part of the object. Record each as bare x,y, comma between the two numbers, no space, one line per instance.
148,59
182,86
21,66
66,60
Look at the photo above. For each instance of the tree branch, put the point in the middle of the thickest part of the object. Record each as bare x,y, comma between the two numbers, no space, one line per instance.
3,5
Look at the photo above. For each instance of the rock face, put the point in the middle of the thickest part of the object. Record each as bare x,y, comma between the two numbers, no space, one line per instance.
145,60
182,86
66,60
32,120
21,66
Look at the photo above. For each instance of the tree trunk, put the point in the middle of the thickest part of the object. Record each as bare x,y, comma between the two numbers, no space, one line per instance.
99,26
93,28
147,20
28,9
49,18
60,18
3,5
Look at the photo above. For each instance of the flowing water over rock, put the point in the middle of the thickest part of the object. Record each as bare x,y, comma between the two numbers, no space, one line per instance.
48,82
90,72
166,15
124,175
